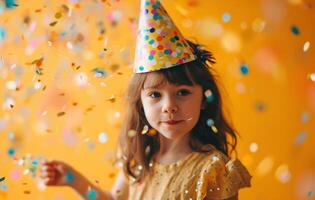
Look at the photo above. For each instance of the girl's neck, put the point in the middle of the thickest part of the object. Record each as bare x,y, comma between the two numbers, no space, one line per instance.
172,150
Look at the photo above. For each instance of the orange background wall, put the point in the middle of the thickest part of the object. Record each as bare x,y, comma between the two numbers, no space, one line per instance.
59,111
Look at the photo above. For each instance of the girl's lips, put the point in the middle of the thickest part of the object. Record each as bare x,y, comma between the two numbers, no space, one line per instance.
172,122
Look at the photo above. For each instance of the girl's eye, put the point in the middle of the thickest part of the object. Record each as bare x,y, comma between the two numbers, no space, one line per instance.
184,92
154,94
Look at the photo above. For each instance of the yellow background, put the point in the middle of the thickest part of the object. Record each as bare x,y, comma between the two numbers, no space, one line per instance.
272,106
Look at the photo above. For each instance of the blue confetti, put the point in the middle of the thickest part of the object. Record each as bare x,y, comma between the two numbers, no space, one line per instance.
2,33
305,117
10,3
210,122
1,9
300,138
4,187
2,179
244,68
91,194
310,193
295,30
226,17
11,136
11,151
98,72
69,176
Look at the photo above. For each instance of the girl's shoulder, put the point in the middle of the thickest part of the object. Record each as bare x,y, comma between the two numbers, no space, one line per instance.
220,176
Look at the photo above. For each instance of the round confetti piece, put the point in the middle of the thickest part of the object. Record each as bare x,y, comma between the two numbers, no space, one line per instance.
145,129
209,95
295,30
312,77
102,137
253,147
132,133
2,33
210,122
91,194
244,68
226,17
306,46
69,177
11,152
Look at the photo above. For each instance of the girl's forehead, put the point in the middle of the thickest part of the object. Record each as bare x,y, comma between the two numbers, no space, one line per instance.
157,80
153,80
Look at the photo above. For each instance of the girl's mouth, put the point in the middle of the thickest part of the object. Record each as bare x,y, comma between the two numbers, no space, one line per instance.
172,122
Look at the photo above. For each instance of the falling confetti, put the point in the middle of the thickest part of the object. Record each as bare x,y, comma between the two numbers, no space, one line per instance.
10,3
99,73
226,17
145,129
102,137
69,177
2,179
209,95
2,33
306,46
295,30
244,68
91,194
253,147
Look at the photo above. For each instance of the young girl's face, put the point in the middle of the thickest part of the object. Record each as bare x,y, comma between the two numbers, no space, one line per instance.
173,110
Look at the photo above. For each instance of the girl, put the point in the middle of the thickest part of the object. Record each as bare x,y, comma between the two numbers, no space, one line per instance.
175,142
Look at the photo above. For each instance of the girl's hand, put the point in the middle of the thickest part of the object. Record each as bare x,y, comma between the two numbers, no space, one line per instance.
57,173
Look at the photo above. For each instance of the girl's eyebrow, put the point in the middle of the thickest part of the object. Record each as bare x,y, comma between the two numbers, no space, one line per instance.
156,86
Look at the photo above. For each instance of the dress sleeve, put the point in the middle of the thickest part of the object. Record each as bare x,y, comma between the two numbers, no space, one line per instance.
221,178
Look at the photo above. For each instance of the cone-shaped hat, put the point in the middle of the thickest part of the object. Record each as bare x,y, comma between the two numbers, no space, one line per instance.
160,44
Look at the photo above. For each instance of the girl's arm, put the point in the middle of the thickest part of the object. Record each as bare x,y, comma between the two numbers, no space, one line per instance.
58,173
85,188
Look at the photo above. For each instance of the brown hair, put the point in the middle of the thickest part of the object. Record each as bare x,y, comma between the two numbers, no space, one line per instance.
133,151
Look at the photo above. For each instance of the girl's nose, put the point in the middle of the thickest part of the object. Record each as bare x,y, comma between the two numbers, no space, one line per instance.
170,106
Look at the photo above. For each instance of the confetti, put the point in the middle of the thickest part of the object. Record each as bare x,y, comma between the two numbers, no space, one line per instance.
58,15
300,138
53,23
283,173
2,179
2,33
226,17
210,122
132,133
306,46
10,4
69,177
253,147
244,68
99,73
152,132
145,129
310,193
102,137
112,99
305,117
60,114
312,77
11,152
209,95
295,30
91,194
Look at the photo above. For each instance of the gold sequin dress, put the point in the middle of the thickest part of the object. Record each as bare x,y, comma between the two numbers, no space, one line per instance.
196,177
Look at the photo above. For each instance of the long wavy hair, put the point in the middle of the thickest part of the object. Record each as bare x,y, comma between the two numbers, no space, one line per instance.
133,146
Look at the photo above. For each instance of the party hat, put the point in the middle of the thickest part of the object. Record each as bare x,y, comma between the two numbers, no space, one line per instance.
160,44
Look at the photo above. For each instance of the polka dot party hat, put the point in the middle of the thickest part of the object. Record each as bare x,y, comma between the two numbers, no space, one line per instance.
160,44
